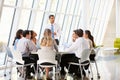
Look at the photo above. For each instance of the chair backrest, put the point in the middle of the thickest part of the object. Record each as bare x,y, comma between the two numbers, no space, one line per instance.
85,54
17,56
46,56
117,43
97,50
8,52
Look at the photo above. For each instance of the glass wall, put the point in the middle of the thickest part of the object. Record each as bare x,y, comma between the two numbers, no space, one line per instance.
33,14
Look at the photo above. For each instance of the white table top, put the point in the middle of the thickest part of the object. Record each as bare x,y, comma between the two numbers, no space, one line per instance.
110,49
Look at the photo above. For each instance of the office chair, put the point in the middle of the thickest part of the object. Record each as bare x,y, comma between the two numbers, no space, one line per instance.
84,57
92,57
16,57
8,58
40,66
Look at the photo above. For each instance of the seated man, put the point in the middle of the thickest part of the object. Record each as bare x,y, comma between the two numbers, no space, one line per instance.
75,50
25,46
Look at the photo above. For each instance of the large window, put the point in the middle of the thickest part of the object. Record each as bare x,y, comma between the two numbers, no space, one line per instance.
24,18
10,2
99,16
5,23
33,14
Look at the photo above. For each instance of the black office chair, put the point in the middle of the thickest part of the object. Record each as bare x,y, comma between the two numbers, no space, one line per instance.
92,58
82,66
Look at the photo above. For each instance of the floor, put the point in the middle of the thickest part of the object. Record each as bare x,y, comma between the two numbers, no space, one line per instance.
108,65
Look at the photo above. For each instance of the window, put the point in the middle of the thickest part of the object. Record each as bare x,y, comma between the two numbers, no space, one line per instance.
24,18
38,21
10,2
27,4
33,14
41,5
5,23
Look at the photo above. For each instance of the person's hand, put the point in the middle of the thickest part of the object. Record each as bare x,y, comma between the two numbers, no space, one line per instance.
54,33
73,39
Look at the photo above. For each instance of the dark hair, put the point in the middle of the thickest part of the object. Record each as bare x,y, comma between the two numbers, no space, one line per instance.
51,16
18,35
79,32
26,32
32,32
90,37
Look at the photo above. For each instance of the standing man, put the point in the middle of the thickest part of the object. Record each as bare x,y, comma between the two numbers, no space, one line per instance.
55,29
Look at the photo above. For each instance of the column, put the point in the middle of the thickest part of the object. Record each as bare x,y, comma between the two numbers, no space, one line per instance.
117,18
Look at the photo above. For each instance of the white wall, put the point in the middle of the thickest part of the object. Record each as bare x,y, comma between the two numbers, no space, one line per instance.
111,29
117,18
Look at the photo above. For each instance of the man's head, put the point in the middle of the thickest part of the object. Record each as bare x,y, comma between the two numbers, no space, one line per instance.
80,32
77,33
52,19
27,34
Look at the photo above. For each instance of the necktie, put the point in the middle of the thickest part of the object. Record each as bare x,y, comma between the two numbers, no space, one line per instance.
52,30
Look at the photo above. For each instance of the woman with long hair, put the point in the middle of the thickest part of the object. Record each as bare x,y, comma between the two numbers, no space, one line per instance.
19,35
34,40
90,38
47,52
33,36
47,39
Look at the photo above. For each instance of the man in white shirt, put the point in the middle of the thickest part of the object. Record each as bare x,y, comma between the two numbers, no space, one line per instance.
79,44
26,46
55,29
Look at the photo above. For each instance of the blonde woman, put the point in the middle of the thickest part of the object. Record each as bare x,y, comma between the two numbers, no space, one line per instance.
48,50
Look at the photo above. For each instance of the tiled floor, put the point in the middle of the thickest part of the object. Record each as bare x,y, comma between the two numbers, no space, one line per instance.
108,65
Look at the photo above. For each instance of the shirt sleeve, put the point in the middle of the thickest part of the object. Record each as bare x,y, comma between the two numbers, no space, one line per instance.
73,47
58,33
31,46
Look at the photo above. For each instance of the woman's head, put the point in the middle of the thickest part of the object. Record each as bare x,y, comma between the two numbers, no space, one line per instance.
87,34
47,33
19,35
47,39
33,34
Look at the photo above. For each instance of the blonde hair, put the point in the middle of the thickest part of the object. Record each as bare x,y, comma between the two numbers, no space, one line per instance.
47,39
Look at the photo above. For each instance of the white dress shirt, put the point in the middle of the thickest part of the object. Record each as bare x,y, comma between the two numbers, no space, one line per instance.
78,46
57,29
26,46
